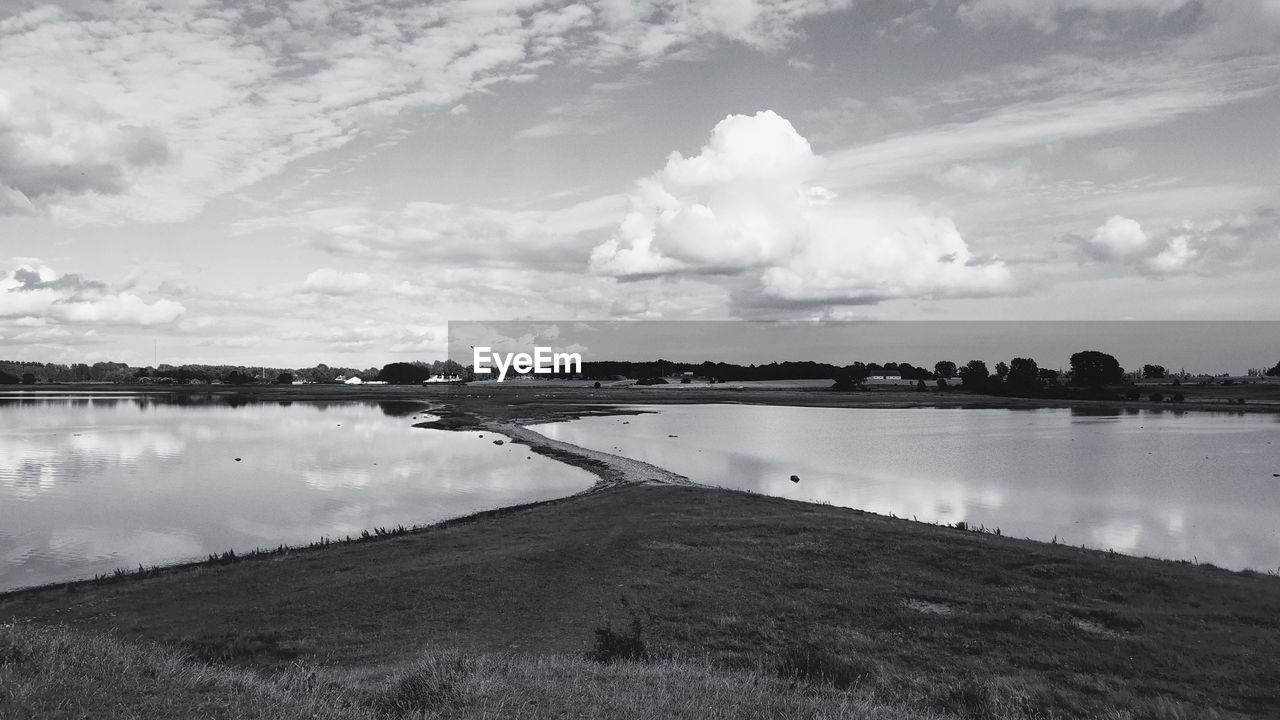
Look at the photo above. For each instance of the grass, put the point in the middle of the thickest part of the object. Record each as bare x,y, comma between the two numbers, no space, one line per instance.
724,590
55,673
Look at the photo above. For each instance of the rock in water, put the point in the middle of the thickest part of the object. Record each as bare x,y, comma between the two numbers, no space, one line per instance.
795,478
497,442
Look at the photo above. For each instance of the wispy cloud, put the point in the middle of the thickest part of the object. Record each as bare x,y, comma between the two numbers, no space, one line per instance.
112,113
1096,100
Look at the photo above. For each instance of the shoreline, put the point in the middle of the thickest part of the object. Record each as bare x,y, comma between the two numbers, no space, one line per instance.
468,407
612,471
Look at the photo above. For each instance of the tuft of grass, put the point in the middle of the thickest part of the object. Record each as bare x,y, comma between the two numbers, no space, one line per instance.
612,645
436,683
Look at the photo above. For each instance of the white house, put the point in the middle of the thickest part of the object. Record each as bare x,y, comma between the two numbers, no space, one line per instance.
353,381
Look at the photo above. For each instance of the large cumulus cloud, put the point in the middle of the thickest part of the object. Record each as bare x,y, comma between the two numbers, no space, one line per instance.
749,204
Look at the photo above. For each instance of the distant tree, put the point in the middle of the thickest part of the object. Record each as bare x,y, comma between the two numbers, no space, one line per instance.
236,377
28,378
1002,371
911,372
1023,376
1095,369
942,383
1049,375
402,373
850,377
1154,372
1273,372
974,375
596,385
1179,397
9,378
944,369
284,378
921,386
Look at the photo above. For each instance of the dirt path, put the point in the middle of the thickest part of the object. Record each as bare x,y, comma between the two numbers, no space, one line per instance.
613,470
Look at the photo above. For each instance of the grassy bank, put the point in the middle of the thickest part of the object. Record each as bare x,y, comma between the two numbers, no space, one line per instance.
835,612
60,673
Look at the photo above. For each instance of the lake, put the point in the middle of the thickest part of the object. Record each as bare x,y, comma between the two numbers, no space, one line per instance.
1179,485
91,483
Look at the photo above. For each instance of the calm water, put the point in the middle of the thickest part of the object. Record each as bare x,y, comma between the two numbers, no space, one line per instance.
1189,486
90,484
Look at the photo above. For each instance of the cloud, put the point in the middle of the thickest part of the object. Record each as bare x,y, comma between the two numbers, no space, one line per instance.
1220,26
115,111
1119,238
365,336
1047,15
327,281
747,205
450,234
1239,26
986,177
1113,159
37,291
1206,247
239,342
1064,98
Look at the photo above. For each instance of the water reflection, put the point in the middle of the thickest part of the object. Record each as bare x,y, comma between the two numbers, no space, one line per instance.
1151,482
91,484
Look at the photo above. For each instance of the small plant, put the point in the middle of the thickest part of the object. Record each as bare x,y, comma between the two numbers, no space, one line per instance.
1156,397
612,645
1179,397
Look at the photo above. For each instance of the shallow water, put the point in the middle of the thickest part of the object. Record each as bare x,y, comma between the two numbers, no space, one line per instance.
1193,486
91,483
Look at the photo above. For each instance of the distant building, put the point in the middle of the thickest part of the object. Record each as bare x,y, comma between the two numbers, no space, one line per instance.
885,376
353,381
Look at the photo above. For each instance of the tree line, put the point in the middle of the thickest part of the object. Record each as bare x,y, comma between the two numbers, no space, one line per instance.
30,373
1020,376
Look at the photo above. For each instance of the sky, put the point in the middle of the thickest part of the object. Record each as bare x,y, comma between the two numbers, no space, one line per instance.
288,182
